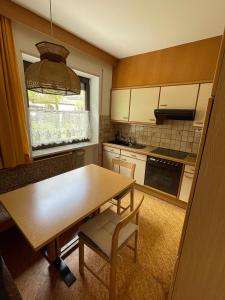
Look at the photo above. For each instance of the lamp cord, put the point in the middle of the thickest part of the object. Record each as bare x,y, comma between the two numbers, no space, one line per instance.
50,9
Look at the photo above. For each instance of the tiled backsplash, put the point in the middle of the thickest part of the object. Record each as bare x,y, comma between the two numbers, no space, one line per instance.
106,129
177,135
106,133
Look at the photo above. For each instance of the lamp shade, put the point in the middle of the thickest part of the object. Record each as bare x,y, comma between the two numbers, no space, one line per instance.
51,75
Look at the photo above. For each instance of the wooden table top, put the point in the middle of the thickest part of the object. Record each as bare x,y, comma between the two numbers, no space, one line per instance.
46,209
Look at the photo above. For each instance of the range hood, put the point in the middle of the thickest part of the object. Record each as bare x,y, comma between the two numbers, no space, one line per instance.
174,114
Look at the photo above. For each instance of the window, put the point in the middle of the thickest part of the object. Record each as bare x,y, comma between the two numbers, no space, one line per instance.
59,120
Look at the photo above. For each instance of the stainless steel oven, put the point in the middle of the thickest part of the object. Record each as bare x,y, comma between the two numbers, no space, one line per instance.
163,174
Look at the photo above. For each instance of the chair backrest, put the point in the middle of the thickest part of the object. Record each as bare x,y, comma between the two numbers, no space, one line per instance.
124,164
123,222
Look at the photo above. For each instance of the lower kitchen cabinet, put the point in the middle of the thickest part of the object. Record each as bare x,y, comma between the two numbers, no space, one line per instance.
139,174
138,159
107,159
186,184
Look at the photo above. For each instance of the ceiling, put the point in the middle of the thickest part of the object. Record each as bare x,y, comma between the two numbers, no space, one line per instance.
129,27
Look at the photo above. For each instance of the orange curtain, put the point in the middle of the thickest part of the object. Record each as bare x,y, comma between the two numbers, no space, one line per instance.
14,145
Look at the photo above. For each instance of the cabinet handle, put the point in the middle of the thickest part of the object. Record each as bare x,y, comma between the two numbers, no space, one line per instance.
197,122
163,105
125,118
133,155
123,159
117,157
151,119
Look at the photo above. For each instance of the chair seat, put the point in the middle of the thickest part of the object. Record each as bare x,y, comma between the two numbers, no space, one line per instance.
5,220
100,230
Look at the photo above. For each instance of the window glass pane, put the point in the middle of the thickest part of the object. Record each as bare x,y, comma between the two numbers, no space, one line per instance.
58,120
57,102
54,128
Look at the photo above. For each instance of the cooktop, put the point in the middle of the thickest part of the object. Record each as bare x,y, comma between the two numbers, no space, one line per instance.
170,152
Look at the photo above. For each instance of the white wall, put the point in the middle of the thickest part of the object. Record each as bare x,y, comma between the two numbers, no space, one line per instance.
25,40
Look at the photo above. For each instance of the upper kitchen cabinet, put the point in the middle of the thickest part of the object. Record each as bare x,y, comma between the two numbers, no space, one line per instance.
179,96
120,103
203,99
143,103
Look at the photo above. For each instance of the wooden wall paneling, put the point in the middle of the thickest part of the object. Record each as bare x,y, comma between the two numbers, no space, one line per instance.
200,267
187,63
219,65
200,152
197,166
22,15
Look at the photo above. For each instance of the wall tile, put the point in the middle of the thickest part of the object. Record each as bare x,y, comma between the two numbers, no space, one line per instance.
173,134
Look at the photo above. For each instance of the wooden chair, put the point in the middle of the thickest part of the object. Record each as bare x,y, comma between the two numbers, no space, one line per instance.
106,234
117,200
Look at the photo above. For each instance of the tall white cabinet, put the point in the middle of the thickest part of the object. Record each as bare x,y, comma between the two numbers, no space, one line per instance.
143,103
203,99
186,184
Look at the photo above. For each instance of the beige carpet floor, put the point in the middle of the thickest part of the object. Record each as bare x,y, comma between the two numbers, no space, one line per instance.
160,230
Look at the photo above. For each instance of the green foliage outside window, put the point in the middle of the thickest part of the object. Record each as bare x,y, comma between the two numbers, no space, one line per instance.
57,102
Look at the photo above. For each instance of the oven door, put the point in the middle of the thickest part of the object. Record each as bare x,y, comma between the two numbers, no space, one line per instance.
163,175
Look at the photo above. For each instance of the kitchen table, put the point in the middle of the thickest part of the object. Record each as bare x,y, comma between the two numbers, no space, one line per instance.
46,209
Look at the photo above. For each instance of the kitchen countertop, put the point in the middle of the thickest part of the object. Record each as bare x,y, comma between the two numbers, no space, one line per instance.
189,160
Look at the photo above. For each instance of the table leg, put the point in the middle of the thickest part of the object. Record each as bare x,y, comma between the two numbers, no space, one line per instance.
132,198
51,252
53,255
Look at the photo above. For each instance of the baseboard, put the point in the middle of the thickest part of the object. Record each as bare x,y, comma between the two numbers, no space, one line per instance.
162,196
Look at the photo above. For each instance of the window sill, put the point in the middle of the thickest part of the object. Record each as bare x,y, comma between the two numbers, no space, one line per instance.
55,150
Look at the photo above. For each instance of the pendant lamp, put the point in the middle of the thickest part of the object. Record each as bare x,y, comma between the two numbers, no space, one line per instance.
51,75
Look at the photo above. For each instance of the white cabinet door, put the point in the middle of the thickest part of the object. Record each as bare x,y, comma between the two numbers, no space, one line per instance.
139,174
143,103
107,160
120,103
179,96
203,99
186,186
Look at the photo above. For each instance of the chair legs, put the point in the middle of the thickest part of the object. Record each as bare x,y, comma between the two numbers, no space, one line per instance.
112,283
113,264
81,257
118,206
